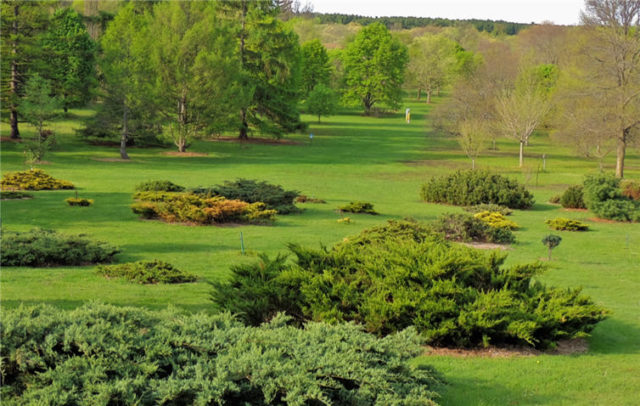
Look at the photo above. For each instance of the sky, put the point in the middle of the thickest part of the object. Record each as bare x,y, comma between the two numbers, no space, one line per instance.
564,12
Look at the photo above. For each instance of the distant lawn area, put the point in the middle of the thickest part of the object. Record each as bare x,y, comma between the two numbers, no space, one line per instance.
351,157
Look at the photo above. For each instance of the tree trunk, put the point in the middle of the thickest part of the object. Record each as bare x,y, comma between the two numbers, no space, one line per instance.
419,93
549,253
182,146
182,122
123,138
428,96
15,133
473,163
620,153
318,118
521,153
244,126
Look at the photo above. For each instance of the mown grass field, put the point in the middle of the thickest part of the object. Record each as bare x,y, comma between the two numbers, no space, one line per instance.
379,160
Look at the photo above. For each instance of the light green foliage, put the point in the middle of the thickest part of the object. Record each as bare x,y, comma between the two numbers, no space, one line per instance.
315,66
70,55
374,65
562,223
32,179
78,201
400,275
154,271
38,248
322,101
103,354
496,220
504,210
38,107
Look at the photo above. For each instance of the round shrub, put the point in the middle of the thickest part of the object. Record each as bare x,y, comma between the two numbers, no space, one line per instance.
78,201
602,195
33,179
467,228
564,224
358,207
159,186
572,198
496,220
468,188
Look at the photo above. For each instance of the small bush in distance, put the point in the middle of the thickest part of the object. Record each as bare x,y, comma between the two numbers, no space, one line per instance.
41,248
358,207
496,220
159,186
631,189
14,195
478,208
345,220
464,227
564,224
572,198
551,241
555,199
307,199
252,191
145,272
78,201
33,179
468,188
111,355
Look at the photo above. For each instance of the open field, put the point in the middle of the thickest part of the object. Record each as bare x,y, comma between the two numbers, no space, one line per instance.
379,160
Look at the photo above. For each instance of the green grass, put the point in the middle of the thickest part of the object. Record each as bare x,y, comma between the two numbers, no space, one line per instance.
379,160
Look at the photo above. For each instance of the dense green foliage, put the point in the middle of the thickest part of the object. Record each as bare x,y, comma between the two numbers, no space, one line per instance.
467,188
464,227
12,194
315,66
32,179
358,207
496,220
198,209
78,201
38,248
602,195
159,186
400,275
103,354
253,191
154,271
505,211
322,101
564,224
374,65
572,198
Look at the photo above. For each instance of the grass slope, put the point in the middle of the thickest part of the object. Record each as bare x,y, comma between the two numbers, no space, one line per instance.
379,160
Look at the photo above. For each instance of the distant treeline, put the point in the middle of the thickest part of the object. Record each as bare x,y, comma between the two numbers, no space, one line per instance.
489,26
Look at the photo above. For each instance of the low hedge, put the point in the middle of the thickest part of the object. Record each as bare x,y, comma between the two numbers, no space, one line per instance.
564,224
33,179
468,188
41,248
78,201
358,207
274,197
401,275
146,272
159,186
193,208
464,227
109,355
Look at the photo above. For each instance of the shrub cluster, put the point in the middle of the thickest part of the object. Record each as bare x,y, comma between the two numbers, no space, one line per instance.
33,179
468,188
154,271
78,201
479,208
555,199
467,228
564,224
572,198
194,208
602,195
630,189
14,195
496,220
159,186
274,197
39,248
358,207
108,355
401,275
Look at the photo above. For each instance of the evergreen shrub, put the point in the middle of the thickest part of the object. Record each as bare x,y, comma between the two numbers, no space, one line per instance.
479,208
274,197
572,198
496,220
401,275
464,227
159,186
631,189
78,201
564,224
468,188
14,195
145,272
41,248
358,207
602,195
32,179
102,354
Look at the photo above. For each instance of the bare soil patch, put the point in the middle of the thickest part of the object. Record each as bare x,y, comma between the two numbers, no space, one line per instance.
486,246
259,141
565,347
184,154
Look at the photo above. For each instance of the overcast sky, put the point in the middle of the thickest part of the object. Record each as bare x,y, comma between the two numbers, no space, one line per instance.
565,12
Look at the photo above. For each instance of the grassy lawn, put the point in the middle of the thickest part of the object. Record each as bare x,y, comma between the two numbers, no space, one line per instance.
379,160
